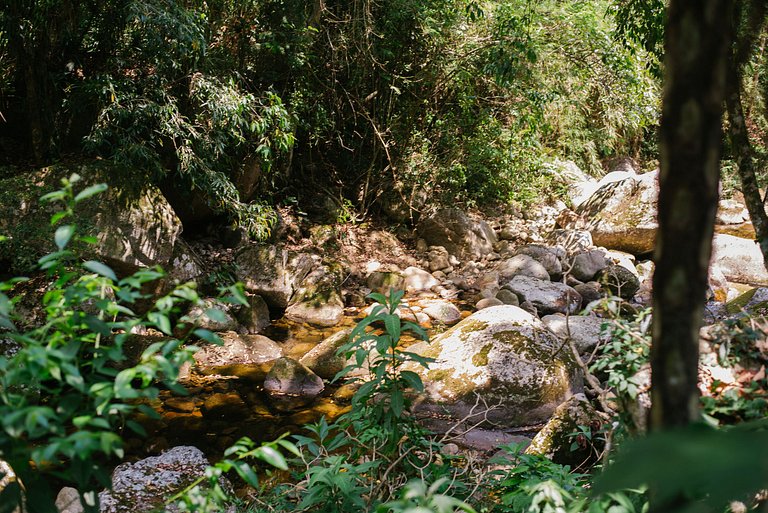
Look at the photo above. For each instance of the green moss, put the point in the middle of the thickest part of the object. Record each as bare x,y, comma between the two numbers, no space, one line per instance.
481,359
737,305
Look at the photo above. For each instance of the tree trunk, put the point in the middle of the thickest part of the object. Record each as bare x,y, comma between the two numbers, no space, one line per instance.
694,90
737,129
743,153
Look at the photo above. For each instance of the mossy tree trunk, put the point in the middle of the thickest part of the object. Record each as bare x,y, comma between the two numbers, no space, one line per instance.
694,91
753,12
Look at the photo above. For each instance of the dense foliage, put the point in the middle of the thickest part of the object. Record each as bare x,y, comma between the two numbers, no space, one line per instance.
235,101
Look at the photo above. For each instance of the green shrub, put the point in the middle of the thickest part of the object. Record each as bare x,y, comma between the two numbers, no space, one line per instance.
69,392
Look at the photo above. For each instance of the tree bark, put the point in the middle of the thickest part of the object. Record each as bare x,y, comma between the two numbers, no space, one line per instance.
743,151
690,137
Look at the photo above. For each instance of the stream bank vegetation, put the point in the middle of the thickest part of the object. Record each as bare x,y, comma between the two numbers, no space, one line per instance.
69,391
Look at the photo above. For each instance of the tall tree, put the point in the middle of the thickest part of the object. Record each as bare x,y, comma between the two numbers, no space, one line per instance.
747,21
696,51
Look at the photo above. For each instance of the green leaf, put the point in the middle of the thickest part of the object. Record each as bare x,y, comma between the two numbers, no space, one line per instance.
90,191
273,457
161,321
713,466
245,471
413,380
208,336
392,324
63,235
53,196
397,402
100,269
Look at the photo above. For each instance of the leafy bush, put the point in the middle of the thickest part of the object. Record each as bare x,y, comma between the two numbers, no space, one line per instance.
70,390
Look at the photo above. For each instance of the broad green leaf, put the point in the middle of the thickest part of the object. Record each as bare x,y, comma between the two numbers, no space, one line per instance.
208,336
392,324
63,235
413,380
90,191
273,457
100,269
245,471
161,321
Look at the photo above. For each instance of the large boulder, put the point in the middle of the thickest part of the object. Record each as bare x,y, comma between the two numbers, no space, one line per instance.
272,272
739,259
583,330
318,300
548,297
146,485
323,359
134,229
505,356
557,441
622,214
247,356
140,234
619,280
458,233
523,265
291,385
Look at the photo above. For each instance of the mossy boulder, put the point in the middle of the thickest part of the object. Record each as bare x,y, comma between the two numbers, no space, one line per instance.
458,233
272,271
622,214
505,357
559,440
134,229
317,300
291,385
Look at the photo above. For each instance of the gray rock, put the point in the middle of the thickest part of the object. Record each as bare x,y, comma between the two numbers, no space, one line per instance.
68,501
488,302
318,299
583,330
556,438
441,311
622,214
272,272
620,281
546,256
254,317
323,360
547,297
146,485
457,233
590,291
291,385
382,281
508,297
522,265
214,315
586,265
740,259
239,355
504,355
418,280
